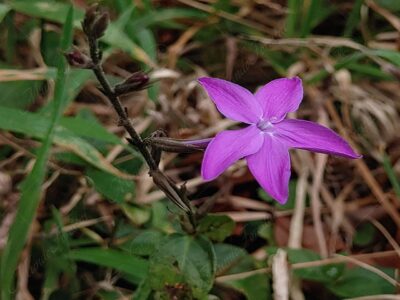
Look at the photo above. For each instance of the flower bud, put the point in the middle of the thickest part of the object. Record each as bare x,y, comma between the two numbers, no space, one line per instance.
77,59
173,193
100,25
178,146
136,82
95,22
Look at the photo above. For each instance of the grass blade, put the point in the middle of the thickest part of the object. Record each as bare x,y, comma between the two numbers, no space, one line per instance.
391,175
31,187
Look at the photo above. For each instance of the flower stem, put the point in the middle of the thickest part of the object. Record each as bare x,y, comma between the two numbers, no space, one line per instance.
161,180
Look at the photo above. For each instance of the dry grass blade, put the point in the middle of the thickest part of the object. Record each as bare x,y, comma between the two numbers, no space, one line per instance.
364,170
387,235
280,276
395,21
33,74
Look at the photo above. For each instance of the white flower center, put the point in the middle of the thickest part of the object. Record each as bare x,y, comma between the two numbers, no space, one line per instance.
265,126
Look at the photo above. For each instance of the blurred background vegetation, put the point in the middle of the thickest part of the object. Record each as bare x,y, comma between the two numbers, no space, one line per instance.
81,219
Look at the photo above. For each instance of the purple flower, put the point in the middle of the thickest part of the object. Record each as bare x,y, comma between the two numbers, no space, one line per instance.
269,136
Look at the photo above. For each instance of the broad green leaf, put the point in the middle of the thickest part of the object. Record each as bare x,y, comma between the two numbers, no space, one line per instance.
228,256
120,261
138,215
112,187
359,282
31,189
216,227
255,287
89,129
183,260
86,151
19,94
74,81
324,274
145,243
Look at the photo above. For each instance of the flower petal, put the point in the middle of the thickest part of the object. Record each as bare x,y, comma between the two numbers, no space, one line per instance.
227,147
279,97
271,168
313,137
232,100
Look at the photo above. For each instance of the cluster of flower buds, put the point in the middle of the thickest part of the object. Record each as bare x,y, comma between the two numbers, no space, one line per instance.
96,21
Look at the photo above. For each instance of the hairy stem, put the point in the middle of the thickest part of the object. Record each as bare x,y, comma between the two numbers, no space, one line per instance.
162,181
115,102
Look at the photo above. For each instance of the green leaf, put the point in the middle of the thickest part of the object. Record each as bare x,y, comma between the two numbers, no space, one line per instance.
74,81
35,125
120,261
359,282
393,5
354,19
166,14
324,274
52,11
112,187
392,56
316,12
146,243
19,94
4,9
138,215
117,38
394,180
255,287
31,188
365,234
216,227
183,260
293,16
227,256
290,202
321,274
91,129
55,12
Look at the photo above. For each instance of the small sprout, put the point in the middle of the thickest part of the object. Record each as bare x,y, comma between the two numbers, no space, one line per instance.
78,59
